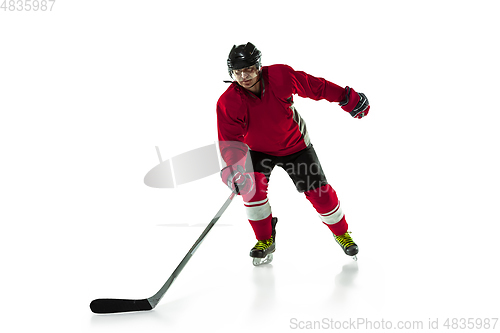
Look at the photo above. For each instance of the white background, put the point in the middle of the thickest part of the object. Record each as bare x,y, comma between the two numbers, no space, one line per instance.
89,89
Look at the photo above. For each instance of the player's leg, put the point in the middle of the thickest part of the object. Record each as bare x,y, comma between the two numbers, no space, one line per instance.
326,203
258,208
306,172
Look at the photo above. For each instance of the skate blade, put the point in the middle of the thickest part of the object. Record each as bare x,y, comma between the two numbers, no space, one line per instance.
262,261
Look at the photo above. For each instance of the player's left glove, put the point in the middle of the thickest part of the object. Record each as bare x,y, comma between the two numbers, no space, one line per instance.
355,103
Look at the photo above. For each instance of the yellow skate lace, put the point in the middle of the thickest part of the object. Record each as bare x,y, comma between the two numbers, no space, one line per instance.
345,240
264,244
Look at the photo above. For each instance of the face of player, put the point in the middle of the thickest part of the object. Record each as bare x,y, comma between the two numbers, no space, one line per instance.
246,77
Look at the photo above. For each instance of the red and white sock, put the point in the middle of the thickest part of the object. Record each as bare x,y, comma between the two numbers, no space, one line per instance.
258,209
326,203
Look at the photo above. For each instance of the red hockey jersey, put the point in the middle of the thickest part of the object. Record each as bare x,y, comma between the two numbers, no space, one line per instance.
269,123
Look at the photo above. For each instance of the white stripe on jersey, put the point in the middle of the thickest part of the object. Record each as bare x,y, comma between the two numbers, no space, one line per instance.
301,124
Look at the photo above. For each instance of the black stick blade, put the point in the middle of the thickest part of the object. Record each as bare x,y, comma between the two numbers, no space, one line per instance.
112,305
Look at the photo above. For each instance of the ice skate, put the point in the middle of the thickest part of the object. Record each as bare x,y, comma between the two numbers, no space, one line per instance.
262,252
347,244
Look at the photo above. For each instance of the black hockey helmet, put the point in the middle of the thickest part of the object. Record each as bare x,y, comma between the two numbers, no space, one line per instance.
242,56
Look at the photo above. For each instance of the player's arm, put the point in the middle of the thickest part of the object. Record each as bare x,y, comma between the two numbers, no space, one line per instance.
231,130
306,85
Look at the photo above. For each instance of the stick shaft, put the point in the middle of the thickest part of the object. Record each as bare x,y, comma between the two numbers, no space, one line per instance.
114,305
153,300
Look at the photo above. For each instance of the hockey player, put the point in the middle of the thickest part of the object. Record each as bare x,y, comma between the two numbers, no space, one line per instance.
256,117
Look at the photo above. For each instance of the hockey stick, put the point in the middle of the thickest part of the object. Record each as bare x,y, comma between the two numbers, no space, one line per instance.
114,305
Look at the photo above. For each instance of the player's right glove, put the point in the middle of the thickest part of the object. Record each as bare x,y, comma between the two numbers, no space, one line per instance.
355,103
237,179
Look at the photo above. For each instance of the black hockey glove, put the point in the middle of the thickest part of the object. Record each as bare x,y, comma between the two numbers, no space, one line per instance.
355,103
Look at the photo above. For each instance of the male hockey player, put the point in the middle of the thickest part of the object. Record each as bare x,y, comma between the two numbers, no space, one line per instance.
257,112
